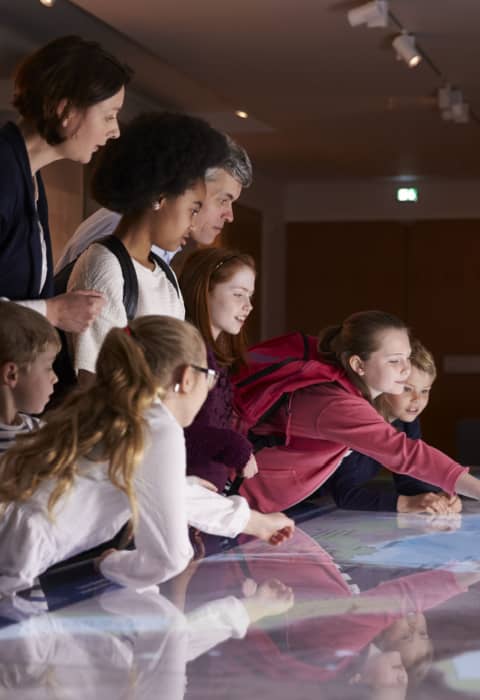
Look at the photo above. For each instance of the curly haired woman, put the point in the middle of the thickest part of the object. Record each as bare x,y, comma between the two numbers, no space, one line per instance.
154,177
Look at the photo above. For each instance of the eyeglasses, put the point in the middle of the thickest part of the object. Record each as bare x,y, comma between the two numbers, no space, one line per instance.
212,375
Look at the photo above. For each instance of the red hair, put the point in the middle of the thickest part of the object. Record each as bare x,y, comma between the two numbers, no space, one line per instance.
202,271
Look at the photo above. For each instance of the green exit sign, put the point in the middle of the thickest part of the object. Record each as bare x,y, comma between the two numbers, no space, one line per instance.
407,194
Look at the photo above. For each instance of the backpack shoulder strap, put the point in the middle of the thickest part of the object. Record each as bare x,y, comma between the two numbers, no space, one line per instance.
67,378
130,281
167,270
275,369
60,281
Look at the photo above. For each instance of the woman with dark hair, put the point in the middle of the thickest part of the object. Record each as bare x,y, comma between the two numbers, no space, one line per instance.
217,286
154,177
68,95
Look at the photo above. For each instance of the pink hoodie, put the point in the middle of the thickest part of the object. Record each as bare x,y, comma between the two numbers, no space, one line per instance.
322,422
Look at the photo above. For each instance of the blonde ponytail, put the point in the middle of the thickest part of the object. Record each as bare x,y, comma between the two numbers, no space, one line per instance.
133,368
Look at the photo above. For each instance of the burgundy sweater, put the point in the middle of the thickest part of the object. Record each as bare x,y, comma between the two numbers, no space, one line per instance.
214,449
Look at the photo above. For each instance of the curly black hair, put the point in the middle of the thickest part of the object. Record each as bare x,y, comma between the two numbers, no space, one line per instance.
158,154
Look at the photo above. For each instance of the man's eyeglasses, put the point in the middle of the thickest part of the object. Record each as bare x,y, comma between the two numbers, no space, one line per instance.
212,375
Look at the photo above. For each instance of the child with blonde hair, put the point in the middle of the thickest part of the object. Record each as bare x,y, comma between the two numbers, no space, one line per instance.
28,347
116,452
350,485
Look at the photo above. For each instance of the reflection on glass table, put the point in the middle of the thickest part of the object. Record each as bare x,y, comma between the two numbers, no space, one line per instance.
354,606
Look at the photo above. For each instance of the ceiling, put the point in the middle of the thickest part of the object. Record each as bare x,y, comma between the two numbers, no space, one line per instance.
327,101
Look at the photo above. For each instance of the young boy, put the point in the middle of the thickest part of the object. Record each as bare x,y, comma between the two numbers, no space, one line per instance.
28,347
349,485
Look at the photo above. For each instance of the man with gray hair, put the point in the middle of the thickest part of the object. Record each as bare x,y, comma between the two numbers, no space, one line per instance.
223,184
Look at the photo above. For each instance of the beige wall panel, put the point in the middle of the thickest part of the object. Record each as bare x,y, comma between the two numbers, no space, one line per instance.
335,269
443,282
64,185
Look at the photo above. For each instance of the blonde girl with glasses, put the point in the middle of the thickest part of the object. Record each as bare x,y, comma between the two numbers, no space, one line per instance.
116,452
217,287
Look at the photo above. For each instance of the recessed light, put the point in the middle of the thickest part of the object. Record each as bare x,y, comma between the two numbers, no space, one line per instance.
48,3
240,113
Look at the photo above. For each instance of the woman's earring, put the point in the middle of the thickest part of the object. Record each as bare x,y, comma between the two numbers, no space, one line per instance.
176,388
156,206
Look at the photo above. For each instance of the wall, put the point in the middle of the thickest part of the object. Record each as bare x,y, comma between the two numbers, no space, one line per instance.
375,200
267,196
351,247
64,185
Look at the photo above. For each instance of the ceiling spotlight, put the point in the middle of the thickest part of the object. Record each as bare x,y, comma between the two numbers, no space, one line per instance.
452,106
404,45
461,113
48,3
444,97
240,113
373,14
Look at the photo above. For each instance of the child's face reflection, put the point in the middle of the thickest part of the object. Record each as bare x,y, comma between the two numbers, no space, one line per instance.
409,636
385,670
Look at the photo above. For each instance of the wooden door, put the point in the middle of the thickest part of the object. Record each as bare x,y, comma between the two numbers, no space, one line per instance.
443,282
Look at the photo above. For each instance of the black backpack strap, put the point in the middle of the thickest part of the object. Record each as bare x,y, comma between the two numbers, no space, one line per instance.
167,270
130,281
261,441
67,378
60,281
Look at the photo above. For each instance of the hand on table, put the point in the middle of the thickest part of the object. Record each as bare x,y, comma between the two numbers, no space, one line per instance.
273,528
431,503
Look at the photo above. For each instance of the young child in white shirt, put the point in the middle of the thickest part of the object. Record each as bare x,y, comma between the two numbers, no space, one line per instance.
28,346
114,452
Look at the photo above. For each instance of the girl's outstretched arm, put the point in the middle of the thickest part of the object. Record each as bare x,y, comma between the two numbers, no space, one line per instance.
327,412
468,485
273,528
229,517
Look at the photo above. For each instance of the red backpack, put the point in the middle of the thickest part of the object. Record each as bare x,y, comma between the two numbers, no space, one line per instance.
275,369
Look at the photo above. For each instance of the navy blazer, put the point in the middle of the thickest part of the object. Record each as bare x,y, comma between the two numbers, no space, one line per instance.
20,250
350,488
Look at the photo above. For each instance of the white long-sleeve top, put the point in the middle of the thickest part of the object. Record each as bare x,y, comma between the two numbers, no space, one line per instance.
94,510
99,269
128,644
